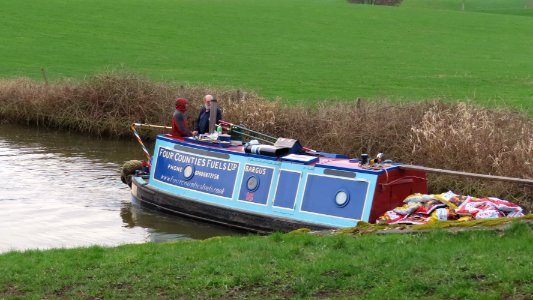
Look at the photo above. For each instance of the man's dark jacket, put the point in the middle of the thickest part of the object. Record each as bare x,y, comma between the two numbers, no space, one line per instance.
202,124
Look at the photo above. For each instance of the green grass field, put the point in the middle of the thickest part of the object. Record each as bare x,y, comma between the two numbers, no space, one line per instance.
436,265
296,50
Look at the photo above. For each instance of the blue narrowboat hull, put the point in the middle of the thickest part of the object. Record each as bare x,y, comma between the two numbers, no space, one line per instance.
145,196
264,193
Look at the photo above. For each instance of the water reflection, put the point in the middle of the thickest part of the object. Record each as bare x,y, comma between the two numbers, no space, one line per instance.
161,225
64,190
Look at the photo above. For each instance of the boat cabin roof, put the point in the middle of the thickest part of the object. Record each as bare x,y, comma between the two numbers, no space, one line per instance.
317,159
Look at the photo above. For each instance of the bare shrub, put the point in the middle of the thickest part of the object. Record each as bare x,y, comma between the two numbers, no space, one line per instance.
464,137
458,136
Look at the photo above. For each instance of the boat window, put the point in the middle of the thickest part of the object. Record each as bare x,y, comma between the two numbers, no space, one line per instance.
342,198
253,183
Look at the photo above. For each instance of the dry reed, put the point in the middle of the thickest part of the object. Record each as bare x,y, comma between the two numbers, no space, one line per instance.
458,136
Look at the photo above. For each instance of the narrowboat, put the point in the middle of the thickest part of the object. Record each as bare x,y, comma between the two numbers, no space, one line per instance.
261,187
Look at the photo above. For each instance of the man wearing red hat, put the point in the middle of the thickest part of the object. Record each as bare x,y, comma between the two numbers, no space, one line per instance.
180,127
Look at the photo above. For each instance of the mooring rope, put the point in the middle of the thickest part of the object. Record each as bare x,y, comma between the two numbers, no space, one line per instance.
148,156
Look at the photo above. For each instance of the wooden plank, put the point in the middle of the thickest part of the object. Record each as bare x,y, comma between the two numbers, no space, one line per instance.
466,174
151,126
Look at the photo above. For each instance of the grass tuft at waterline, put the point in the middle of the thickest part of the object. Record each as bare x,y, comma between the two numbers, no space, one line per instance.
436,265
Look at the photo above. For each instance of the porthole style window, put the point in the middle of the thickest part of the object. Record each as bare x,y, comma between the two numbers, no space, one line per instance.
252,183
188,172
342,198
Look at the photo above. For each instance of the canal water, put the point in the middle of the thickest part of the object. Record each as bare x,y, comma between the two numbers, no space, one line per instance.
63,190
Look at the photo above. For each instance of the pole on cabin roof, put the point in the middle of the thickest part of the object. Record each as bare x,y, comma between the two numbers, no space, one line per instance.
213,115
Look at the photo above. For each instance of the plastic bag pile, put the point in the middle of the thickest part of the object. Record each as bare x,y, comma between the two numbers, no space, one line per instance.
422,209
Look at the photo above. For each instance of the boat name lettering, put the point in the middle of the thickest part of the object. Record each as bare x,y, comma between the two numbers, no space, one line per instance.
256,170
196,172
197,161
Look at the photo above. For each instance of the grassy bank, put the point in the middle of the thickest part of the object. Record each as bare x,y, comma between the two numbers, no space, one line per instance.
436,265
297,50
458,136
